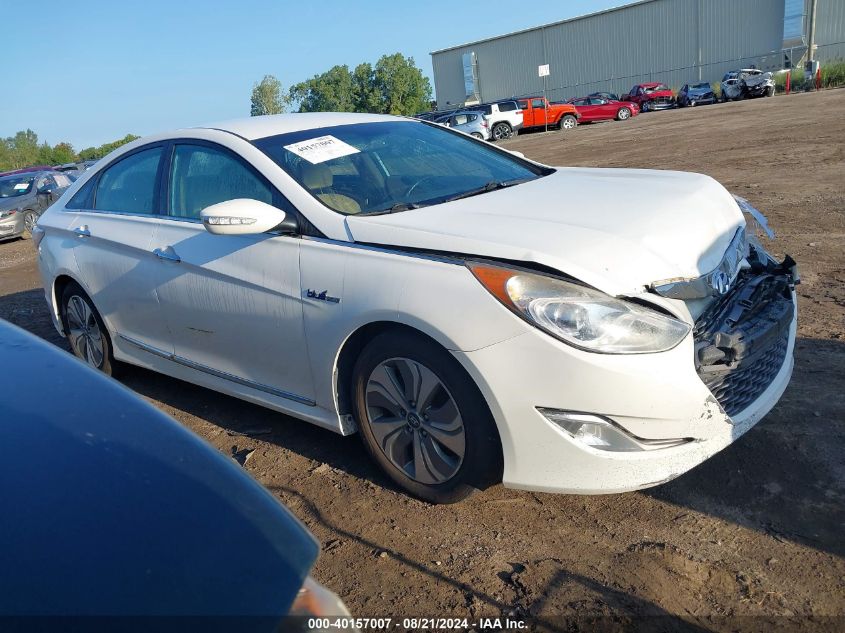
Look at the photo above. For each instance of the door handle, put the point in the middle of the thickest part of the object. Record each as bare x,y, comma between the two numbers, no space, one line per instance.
169,254
82,231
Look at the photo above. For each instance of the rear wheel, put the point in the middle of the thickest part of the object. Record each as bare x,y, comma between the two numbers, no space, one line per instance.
623,114
86,332
423,420
478,135
30,220
501,131
568,122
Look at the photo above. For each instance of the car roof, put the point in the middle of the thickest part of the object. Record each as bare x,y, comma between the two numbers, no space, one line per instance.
256,127
26,174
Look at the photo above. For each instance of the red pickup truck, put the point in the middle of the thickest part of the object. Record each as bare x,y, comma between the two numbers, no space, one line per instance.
537,112
651,96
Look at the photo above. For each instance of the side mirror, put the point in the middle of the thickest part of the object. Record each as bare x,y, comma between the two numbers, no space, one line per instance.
243,216
46,190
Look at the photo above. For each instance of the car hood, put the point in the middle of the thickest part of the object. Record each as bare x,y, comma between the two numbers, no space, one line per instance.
12,203
618,230
699,91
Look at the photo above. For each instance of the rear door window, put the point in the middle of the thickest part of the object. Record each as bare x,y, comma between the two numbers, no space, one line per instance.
129,186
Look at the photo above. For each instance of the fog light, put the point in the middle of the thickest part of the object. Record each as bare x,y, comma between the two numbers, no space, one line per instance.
603,434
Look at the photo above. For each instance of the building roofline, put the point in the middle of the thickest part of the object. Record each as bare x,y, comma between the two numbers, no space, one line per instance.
541,26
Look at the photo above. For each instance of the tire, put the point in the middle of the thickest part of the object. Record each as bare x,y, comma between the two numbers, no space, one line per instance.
30,219
644,106
502,130
568,122
91,343
623,114
477,135
446,466
770,91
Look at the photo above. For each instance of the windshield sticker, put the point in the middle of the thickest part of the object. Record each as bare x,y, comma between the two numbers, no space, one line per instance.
21,186
321,149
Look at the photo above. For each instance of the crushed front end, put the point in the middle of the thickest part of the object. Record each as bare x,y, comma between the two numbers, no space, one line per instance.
742,340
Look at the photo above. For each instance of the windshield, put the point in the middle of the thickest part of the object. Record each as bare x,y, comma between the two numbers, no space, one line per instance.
393,166
655,88
701,87
13,186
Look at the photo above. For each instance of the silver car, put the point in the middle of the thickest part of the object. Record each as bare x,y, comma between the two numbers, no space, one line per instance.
470,122
24,196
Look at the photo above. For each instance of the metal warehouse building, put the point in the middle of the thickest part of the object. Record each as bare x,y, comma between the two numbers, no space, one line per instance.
672,41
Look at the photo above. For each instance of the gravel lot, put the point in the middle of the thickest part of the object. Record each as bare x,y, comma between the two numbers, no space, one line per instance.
759,530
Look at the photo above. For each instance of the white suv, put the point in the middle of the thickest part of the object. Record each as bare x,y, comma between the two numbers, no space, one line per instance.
504,118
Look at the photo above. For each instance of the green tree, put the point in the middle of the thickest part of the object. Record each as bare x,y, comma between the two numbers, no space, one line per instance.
332,91
402,86
23,149
367,95
63,153
267,97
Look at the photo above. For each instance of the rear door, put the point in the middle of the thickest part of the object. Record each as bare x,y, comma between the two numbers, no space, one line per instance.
232,302
113,228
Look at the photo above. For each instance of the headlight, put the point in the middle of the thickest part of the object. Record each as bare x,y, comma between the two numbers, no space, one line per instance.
8,213
580,316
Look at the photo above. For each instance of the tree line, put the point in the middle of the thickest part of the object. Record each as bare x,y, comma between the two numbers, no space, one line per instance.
24,150
393,86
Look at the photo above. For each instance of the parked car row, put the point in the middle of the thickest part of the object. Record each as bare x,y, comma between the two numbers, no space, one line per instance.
505,118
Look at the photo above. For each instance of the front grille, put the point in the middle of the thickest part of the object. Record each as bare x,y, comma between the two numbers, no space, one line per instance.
736,389
741,342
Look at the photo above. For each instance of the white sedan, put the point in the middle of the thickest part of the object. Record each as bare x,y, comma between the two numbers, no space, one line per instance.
477,316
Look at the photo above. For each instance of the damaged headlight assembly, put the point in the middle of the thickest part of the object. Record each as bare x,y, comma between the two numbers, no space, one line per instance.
580,316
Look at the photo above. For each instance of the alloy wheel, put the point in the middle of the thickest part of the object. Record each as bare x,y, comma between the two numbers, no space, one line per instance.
30,221
84,333
624,113
415,420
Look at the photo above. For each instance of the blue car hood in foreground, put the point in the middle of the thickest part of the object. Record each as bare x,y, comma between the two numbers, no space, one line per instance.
111,508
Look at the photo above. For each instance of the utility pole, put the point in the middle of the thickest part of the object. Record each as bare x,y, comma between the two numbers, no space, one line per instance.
811,31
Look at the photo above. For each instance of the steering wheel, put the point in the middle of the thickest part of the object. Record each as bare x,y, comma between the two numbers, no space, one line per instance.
411,189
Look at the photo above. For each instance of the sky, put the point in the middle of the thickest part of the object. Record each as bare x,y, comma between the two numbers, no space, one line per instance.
92,71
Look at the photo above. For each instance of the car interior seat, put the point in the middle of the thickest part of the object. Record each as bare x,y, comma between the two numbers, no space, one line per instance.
318,179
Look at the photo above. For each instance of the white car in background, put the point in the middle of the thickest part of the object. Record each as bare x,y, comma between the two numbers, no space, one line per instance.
478,317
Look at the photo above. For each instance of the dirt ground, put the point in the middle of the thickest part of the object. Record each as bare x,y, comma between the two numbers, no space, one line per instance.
753,539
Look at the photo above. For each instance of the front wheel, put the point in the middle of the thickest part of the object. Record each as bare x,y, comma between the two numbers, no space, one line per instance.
501,131
568,122
30,221
423,420
86,332
623,114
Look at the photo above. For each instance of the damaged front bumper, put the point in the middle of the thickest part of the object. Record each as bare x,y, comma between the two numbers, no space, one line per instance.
576,422
646,419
